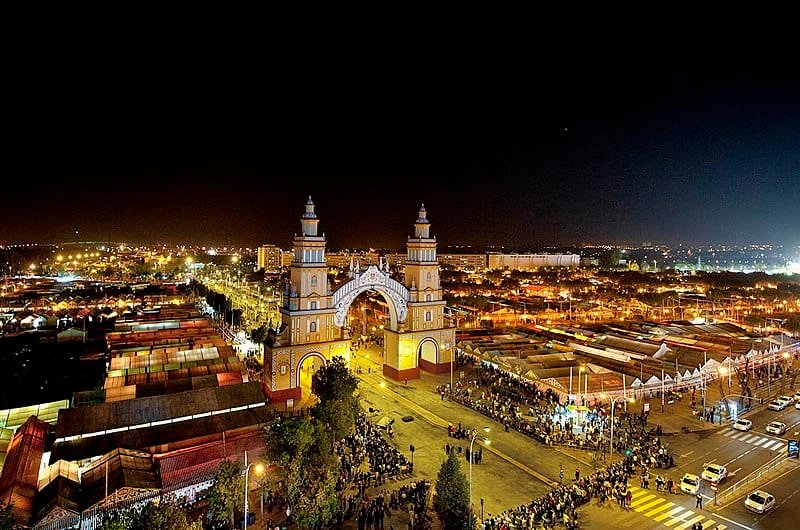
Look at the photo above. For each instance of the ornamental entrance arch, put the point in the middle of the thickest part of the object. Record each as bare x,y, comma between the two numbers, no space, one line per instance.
375,279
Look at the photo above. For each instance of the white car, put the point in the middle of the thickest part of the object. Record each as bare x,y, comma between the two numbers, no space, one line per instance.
714,473
797,405
759,501
776,427
690,484
786,399
777,404
742,425
797,397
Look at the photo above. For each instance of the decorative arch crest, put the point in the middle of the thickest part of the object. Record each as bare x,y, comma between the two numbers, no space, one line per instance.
372,278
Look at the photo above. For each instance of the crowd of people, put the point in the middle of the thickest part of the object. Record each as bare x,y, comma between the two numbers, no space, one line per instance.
560,505
521,405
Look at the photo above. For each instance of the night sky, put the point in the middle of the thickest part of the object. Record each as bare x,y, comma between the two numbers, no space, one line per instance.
521,154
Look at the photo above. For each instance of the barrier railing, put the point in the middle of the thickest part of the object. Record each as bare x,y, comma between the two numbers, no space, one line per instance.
741,487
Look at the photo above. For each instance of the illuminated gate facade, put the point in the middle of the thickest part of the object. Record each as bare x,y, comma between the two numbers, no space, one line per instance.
313,318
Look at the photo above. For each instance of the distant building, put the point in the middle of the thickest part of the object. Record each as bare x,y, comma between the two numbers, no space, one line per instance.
342,259
269,258
531,261
464,262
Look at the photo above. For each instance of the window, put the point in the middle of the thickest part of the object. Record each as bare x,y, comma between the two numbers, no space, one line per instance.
429,277
428,316
313,281
312,327
313,305
427,297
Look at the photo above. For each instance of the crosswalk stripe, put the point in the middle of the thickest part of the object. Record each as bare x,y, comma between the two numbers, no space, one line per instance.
679,518
707,523
640,500
670,513
659,509
749,438
639,493
650,504
686,524
777,445
762,441
726,432
736,436
722,526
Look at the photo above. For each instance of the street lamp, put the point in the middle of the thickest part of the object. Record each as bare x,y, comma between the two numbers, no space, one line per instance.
259,470
613,402
471,458
447,347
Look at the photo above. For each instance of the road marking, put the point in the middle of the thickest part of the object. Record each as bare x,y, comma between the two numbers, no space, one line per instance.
687,454
731,521
685,525
707,523
750,438
638,493
646,498
659,509
679,518
649,505
668,514
726,432
732,473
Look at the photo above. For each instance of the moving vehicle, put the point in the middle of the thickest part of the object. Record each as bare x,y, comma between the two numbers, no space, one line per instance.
714,473
742,425
776,427
776,404
759,501
690,484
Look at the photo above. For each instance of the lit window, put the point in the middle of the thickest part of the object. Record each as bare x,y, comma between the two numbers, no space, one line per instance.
312,327
428,316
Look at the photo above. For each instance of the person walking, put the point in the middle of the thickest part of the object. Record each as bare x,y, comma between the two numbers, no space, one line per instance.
699,502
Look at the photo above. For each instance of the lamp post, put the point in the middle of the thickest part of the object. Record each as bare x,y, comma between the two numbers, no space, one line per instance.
452,360
613,402
259,469
471,458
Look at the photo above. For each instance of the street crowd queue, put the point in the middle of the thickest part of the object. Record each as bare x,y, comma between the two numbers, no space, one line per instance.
495,394
560,505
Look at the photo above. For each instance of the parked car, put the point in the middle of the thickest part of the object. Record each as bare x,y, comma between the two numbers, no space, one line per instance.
714,473
797,397
759,501
786,399
776,428
742,425
690,484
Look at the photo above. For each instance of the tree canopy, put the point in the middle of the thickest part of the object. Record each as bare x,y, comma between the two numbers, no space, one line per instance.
451,499
164,516
303,447
226,494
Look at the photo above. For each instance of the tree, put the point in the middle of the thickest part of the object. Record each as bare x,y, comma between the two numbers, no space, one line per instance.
226,493
303,447
7,521
165,516
335,387
451,499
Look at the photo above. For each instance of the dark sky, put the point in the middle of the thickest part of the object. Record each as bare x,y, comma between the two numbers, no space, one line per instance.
176,148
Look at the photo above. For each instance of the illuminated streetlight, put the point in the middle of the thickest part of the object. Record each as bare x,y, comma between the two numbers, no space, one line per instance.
471,458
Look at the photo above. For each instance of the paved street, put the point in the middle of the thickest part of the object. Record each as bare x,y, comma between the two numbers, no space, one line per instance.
517,468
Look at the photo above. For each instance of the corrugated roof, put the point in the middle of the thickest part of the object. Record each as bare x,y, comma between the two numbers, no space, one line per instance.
105,416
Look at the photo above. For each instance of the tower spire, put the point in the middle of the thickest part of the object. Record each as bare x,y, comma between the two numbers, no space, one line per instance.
309,219
422,225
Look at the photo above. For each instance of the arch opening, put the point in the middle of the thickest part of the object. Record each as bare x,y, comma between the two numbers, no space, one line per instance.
306,368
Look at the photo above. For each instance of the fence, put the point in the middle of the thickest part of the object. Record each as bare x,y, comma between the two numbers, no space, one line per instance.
741,487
